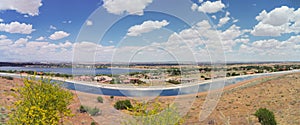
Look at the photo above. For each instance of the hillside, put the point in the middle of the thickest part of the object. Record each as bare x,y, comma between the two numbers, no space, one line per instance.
280,94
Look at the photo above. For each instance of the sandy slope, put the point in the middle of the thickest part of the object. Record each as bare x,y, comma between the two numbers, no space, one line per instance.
280,94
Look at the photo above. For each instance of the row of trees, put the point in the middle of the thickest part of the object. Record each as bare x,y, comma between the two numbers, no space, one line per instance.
266,68
42,73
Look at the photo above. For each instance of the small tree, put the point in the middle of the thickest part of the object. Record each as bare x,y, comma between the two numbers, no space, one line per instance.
123,104
265,117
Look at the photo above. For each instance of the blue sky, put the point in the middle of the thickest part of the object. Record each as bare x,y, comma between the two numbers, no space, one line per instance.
119,30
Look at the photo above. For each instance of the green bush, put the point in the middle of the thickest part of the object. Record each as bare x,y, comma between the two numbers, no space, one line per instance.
174,81
154,114
100,99
7,77
174,71
83,109
123,104
265,117
92,111
93,123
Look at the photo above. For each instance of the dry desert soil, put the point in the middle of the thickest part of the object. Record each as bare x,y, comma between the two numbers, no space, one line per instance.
236,106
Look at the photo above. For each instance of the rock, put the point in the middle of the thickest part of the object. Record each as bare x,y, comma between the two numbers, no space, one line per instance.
3,109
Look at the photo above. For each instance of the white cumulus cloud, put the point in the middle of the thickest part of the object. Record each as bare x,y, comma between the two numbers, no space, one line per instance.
30,7
194,6
58,35
276,17
3,37
262,29
52,27
89,23
5,42
130,6
145,27
277,22
231,33
214,17
16,27
273,48
211,7
40,38
224,20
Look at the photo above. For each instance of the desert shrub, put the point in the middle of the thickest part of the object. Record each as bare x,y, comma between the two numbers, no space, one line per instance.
100,99
92,111
115,81
93,123
3,119
265,117
41,102
83,109
7,77
111,97
174,81
154,114
207,78
123,104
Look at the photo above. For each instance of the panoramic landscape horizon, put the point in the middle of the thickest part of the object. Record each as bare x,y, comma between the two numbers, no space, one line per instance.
149,62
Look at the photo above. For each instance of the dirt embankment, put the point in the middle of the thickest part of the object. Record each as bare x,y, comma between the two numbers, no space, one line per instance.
7,98
280,94
238,103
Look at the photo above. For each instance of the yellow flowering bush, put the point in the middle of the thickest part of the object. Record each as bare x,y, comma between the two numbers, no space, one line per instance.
154,114
41,102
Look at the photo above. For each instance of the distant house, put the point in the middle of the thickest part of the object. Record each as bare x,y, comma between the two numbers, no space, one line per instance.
134,80
126,81
40,73
103,79
153,77
248,73
188,80
212,76
84,78
203,71
24,74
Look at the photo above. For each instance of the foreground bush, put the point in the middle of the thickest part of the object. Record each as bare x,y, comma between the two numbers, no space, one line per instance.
154,114
92,111
123,104
265,117
41,102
